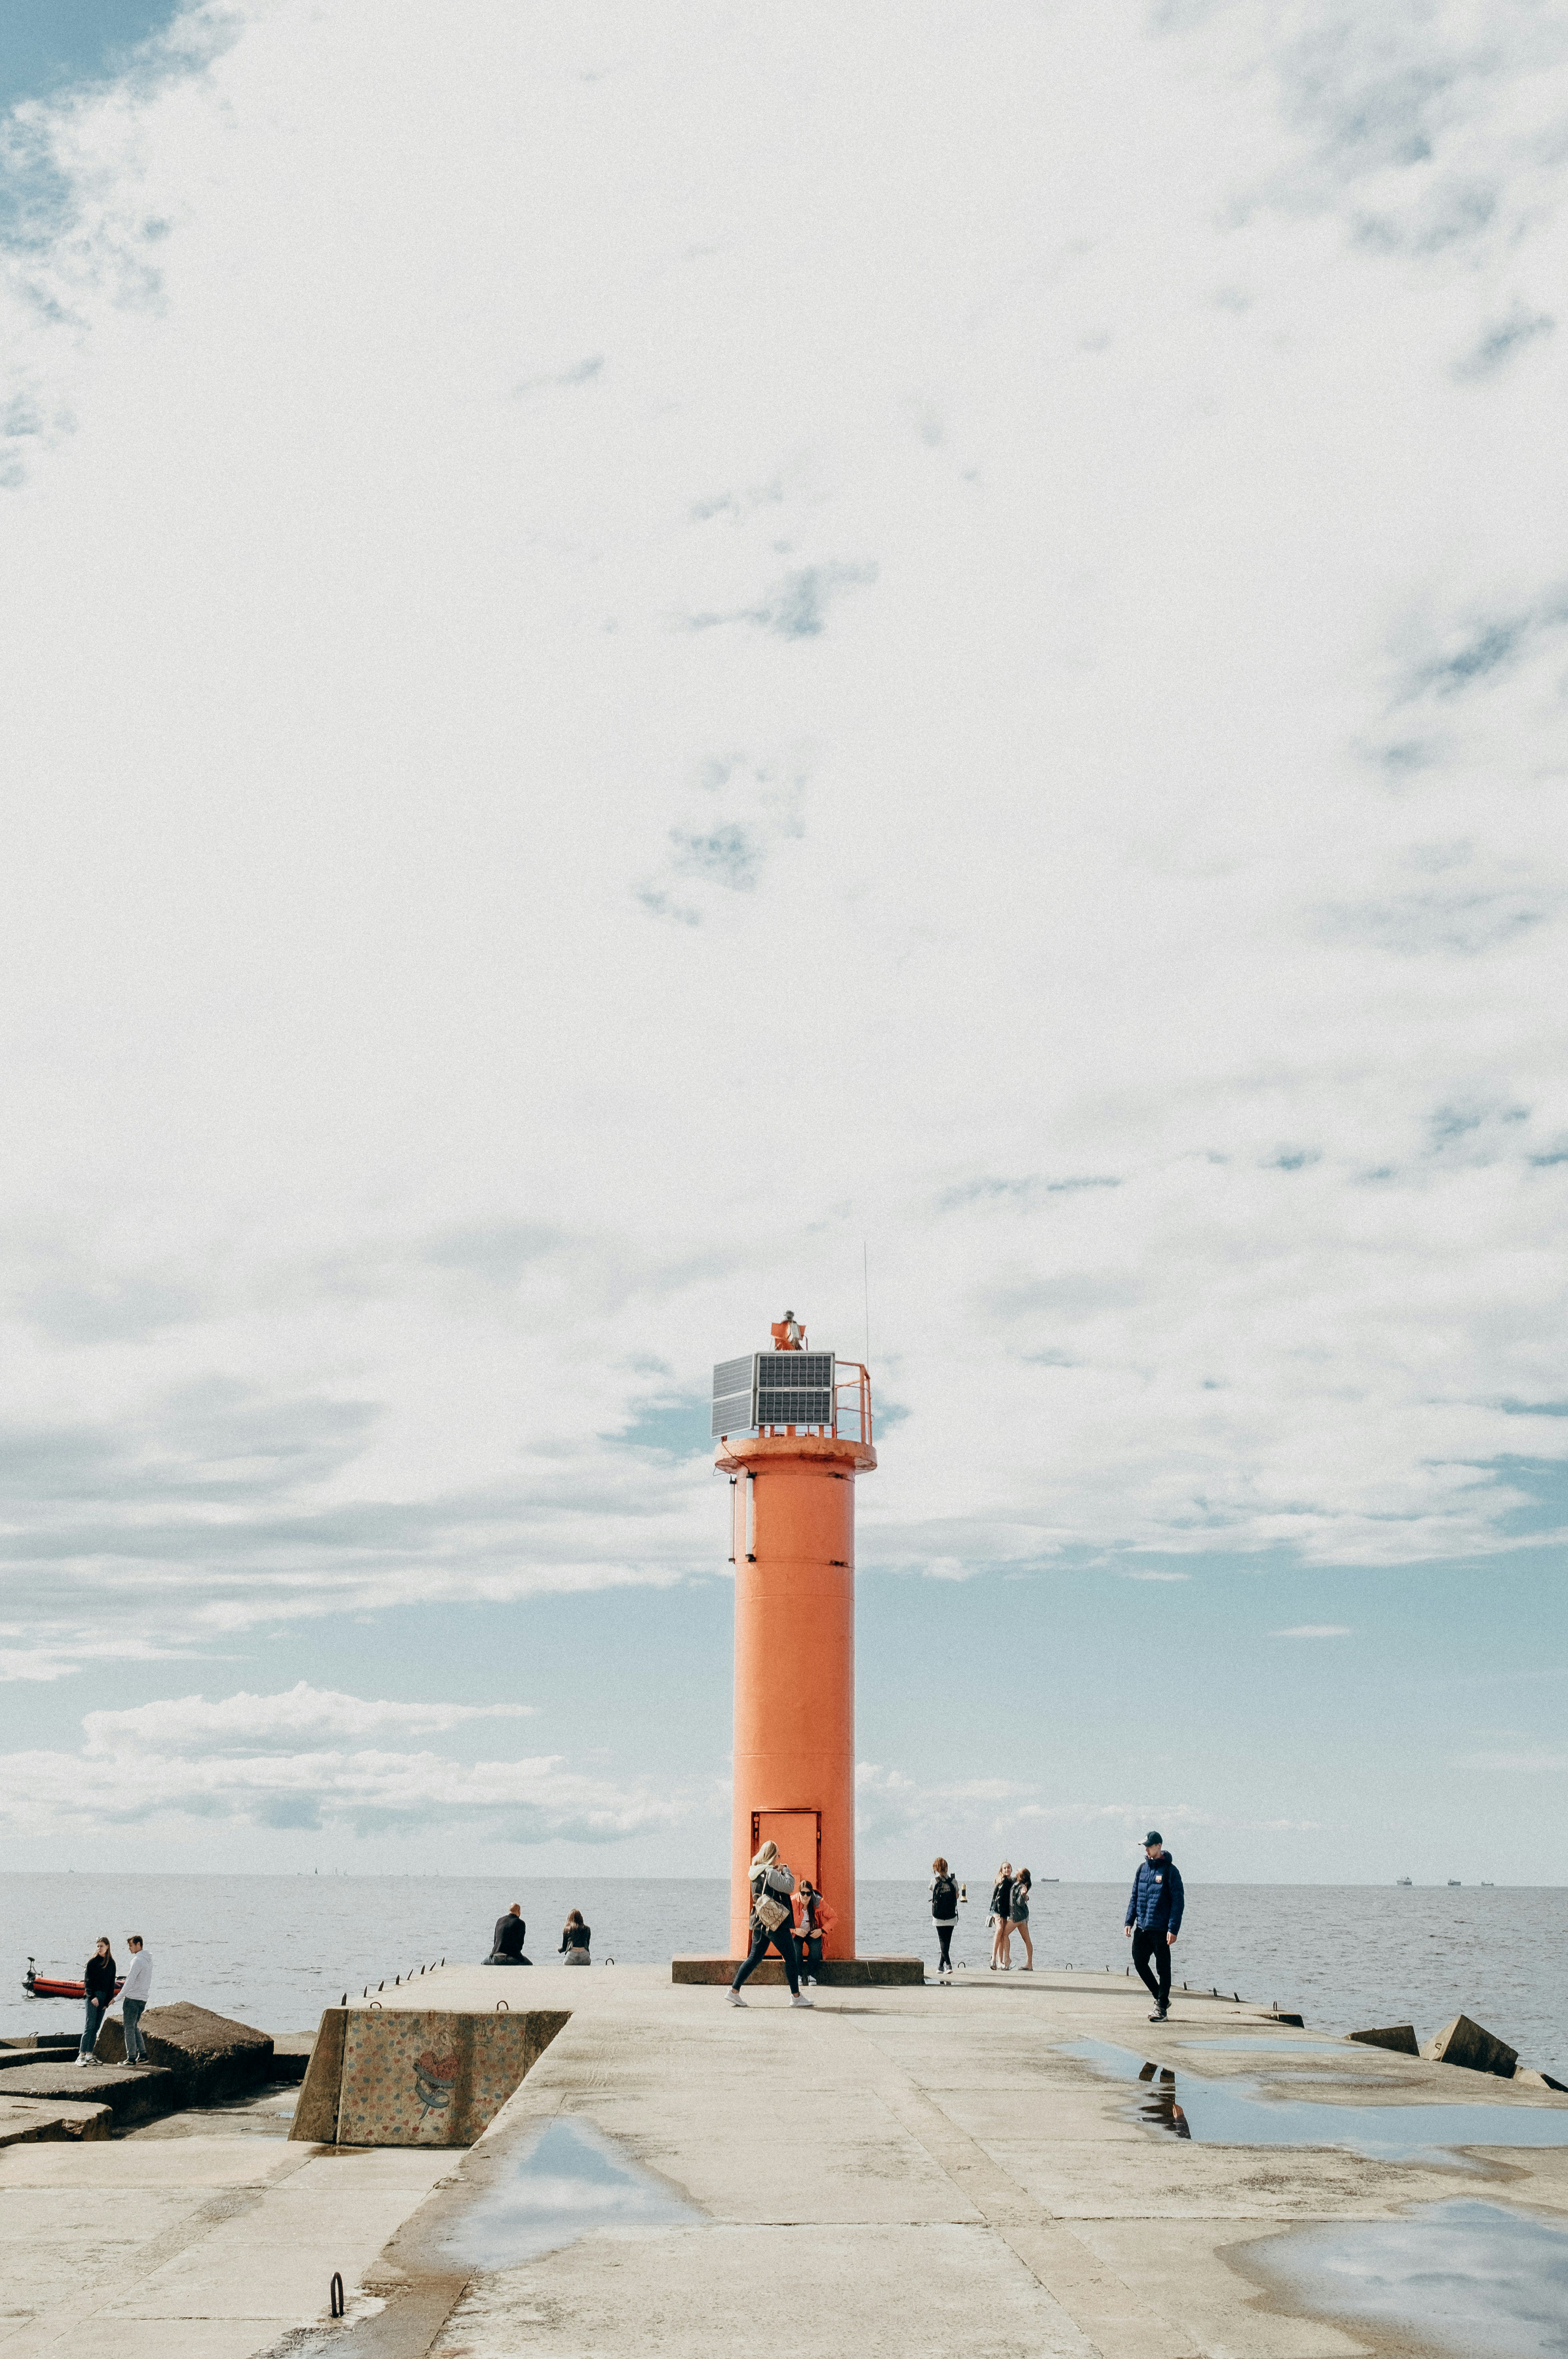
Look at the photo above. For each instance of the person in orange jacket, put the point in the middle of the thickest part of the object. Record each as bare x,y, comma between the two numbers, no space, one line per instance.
813,1919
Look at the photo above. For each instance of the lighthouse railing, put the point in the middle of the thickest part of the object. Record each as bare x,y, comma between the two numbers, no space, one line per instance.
851,1402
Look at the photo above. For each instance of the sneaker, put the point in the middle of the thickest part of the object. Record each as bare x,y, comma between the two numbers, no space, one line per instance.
811,1982
83,2060
800,1999
734,1998
1160,2015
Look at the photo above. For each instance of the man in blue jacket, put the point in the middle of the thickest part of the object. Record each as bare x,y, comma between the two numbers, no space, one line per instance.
1154,1920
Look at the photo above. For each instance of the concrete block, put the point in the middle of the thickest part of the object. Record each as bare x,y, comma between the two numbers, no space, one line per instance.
416,2076
1525,2078
1466,2043
291,2055
209,2057
837,1973
130,2093
1399,2037
34,2122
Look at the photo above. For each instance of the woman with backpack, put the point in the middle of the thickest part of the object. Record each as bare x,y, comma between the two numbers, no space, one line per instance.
1021,1884
944,1912
772,1924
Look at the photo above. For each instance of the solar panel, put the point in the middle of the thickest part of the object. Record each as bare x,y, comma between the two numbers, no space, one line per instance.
772,1388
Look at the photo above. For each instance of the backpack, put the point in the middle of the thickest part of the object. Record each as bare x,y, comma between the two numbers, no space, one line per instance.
944,1897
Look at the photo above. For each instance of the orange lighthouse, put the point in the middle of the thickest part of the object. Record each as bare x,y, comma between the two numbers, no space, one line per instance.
793,1428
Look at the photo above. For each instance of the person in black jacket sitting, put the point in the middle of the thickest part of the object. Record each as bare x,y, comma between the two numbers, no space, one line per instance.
98,1979
575,1939
506,1947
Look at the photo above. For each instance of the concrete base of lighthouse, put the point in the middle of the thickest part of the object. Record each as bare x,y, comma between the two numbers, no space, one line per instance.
833,1972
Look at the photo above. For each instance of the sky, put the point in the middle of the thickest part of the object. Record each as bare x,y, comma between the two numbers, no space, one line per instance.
658,665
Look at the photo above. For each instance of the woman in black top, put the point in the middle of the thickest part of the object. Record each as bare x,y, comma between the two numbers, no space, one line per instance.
1001,1916
575,1939
98,1978
773,1889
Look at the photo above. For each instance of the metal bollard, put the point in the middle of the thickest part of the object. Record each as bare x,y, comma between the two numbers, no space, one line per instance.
336,2305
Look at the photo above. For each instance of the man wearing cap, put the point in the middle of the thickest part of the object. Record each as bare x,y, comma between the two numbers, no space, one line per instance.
1154,1920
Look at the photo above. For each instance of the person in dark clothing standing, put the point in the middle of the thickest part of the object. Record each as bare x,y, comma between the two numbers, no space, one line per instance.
506,1947
98,1979
944,1913
1154,1920
1001,1917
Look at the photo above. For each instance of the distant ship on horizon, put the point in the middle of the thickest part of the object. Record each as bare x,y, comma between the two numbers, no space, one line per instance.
1404,1879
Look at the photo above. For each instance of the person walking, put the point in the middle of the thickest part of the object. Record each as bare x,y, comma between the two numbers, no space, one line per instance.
1002,1917
98,1977
134,1998
1154,1920
575,1939
813,1920
507,1944
944,1913
1022,1884
772,1924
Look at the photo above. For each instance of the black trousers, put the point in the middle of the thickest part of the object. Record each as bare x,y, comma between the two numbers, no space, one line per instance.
762,1942
810,1954
1152,1945
945,1935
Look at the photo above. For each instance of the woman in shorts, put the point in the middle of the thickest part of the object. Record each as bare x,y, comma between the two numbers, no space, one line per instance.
1019,1919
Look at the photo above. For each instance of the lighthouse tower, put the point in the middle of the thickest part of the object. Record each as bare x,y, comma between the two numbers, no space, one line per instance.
794,1429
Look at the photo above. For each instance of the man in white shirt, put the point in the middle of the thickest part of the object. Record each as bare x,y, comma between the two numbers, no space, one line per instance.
134,1998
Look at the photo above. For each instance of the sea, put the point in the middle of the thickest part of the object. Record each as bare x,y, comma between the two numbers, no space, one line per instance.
273,1950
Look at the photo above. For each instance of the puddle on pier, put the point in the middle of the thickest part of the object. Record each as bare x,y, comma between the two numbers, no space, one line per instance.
1469,2277
1231,2113
567,2181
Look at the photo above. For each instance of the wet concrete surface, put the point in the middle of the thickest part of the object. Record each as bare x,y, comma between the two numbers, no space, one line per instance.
1231,2113
1476,2280
562,2183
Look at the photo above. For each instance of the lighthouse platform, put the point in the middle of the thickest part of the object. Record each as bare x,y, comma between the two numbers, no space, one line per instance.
909,2172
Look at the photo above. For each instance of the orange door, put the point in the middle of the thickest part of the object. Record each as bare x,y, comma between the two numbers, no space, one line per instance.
798,1834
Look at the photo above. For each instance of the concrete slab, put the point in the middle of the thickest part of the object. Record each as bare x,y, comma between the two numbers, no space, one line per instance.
131,2092
1466,2043
36,2120
416,2076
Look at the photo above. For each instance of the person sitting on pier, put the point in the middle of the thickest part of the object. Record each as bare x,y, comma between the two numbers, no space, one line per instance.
575,1939
506,1947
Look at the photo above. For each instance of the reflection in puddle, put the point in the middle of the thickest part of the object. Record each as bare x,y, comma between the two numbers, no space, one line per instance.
1160,2105
1231,2113
1470,2276
566,2181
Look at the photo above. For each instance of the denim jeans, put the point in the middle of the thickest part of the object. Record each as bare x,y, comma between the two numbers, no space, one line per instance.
810,1954
96,2009
136,2047
783,1942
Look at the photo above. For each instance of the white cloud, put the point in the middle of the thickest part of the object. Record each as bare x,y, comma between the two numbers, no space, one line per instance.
1315,1630
269,1761
1120,828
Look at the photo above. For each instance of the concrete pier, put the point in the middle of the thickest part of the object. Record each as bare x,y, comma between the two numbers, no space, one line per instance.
898,2170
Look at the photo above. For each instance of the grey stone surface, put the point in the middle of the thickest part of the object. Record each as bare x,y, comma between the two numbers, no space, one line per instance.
1399,2037
209,2056
131,2093
291,2055
1464,2042
31,2121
